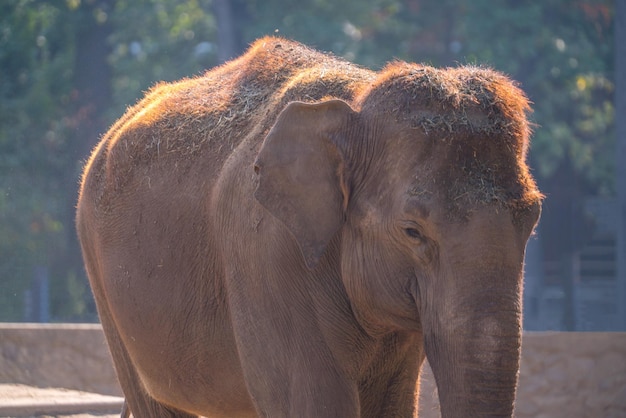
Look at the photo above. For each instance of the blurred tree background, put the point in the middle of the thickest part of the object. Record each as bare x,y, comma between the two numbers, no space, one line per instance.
69,68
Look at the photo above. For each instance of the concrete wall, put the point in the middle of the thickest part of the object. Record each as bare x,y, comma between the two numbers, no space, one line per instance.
562,374
573,375
71,356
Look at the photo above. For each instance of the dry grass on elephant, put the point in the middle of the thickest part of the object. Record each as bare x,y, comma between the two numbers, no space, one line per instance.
479,118
236,97
291,235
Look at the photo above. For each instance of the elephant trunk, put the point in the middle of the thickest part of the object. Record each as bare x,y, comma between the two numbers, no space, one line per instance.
475,357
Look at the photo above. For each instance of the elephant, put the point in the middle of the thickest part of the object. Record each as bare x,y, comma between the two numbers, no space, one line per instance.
291,235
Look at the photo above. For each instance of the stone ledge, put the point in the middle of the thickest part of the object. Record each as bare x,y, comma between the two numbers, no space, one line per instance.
27,401
562,374
71,356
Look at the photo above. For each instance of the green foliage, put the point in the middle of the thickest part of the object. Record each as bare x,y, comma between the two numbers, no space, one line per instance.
561,51
368,32
39,120
158,40
35,84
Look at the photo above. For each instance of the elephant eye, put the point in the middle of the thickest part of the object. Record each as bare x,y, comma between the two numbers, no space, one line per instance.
413,233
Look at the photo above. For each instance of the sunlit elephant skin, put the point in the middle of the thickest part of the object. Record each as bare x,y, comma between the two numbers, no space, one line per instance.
290,235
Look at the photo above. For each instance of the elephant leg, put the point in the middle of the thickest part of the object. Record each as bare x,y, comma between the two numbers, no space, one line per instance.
137,400
125,410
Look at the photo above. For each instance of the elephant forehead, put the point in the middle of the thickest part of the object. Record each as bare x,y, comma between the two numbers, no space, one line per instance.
459,178
467,132
452,102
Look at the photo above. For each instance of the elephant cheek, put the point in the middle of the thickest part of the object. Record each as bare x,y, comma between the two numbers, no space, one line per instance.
381,289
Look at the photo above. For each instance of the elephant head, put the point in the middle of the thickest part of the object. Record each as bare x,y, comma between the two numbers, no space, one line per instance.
423,180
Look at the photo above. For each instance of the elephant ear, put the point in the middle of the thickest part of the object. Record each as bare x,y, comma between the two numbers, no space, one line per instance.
301,178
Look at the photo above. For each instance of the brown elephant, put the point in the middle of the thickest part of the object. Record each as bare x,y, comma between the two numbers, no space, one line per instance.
289,235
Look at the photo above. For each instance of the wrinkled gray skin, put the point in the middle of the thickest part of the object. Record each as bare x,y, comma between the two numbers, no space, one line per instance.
306,270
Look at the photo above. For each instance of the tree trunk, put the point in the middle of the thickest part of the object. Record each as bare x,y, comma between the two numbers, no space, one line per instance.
92,75
620,166
92,87
227,37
